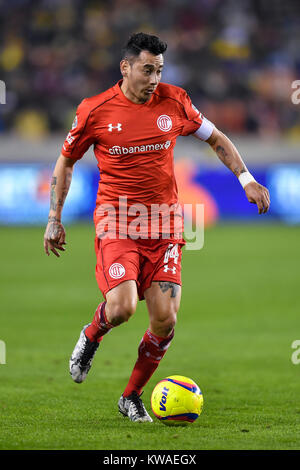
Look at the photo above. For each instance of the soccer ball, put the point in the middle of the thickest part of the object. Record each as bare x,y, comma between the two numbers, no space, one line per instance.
177,400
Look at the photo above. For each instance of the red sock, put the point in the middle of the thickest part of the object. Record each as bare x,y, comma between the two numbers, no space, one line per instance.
151,350
99,326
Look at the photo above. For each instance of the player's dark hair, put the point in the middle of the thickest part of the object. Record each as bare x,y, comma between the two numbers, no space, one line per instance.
139,42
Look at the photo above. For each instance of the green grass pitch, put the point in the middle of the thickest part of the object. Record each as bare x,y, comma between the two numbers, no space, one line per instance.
239,316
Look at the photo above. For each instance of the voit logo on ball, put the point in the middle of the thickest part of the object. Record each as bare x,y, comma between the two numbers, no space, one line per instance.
116,271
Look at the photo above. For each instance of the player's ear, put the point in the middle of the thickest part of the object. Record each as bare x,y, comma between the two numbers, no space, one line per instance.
124,67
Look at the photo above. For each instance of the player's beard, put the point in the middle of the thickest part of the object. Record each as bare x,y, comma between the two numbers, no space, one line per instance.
147,95
140,92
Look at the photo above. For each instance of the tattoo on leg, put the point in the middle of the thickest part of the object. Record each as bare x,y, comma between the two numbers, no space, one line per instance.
165,286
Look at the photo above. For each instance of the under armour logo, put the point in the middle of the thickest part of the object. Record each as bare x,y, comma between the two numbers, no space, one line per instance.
118,127
166,269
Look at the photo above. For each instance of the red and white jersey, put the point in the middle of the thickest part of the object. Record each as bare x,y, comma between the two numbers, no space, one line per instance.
133,144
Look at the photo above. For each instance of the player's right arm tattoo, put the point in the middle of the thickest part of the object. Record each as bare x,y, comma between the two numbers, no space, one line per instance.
54,229
53,193
58,194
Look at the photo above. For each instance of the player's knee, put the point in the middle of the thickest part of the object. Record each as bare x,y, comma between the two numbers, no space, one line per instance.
165,324
170,324
120,312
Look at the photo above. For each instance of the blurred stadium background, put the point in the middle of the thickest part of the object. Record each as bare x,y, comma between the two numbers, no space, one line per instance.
240,305
237,60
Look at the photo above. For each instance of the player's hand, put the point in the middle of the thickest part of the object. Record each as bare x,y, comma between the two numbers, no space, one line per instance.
54,237
259,195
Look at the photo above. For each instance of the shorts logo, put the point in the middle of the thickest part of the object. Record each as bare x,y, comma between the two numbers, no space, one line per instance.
164,123
116,271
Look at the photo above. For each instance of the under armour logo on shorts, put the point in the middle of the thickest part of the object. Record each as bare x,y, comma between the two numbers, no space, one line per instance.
166,269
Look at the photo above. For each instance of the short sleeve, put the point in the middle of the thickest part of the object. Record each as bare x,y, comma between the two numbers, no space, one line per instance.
192,119
81,135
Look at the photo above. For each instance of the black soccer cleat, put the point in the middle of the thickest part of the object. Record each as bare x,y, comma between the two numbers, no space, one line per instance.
133,407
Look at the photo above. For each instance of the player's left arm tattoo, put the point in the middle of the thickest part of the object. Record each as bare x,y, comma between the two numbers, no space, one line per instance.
229,155
165,286
227,152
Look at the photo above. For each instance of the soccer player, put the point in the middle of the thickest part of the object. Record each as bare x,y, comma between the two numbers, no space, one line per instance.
133,127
